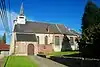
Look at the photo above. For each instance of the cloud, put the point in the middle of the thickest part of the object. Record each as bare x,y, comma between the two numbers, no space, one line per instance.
11,16
1,26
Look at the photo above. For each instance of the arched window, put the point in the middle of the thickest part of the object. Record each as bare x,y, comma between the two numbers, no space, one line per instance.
38,39
46,40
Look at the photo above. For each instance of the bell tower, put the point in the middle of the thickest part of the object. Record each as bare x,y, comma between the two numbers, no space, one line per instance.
21,19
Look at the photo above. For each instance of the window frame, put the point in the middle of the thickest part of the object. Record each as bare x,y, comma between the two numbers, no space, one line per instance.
38,39
46,40
58,41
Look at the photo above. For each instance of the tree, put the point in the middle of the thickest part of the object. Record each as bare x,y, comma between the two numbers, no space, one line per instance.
88,18
66,46
89,44
0,39
4,38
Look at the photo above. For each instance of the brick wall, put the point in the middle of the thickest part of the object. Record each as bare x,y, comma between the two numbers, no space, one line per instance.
21,48
45,48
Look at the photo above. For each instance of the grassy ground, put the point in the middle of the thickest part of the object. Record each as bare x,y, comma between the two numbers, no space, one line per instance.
20,61
67,53
64,53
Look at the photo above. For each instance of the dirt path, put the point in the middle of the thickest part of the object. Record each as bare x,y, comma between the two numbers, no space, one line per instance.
43,62
1,62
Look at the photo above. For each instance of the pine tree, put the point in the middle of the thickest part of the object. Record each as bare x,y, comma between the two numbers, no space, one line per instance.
90,31
88,19
0,39
66,46
4,38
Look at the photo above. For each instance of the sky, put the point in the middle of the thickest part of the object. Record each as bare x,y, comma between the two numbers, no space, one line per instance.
67,12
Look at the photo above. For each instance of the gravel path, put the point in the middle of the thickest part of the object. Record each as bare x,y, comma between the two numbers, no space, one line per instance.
1,61
43,62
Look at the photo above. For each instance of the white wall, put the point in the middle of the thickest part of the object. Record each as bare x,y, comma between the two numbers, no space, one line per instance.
21,20
51,39
13,38
42,38
5,53
57,48
75,46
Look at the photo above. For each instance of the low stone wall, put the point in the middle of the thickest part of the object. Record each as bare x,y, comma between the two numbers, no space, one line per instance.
5,53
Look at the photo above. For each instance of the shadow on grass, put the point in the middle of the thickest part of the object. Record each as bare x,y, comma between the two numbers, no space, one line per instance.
66,61
41,55
75,62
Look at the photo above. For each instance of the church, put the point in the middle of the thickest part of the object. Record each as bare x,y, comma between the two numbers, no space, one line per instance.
32,37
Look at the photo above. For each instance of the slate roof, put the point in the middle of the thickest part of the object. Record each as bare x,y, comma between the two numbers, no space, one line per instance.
40,27
4,47
76,33
26,37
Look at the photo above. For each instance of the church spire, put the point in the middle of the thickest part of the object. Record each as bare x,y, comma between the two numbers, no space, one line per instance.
22,10
21,19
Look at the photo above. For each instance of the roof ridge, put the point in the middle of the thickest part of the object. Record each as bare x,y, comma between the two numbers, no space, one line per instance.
42,22
37,22
58,28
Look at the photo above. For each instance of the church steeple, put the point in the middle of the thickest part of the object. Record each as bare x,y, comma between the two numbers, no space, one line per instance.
21,19
22,10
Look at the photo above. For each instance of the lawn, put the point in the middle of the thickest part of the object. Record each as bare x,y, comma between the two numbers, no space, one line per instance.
64,53
20,61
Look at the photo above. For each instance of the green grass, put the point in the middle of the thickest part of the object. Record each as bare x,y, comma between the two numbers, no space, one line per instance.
20,61
64,53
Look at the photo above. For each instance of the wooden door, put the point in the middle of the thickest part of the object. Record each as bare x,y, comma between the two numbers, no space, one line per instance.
30,49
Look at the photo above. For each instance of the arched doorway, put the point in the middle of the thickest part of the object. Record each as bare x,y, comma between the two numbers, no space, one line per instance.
30,49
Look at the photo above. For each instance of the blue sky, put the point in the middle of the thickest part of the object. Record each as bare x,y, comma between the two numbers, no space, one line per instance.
67,12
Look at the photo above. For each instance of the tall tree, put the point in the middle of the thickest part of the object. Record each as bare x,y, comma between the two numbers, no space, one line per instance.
88,18
0,39
66,44
89,45
4,38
